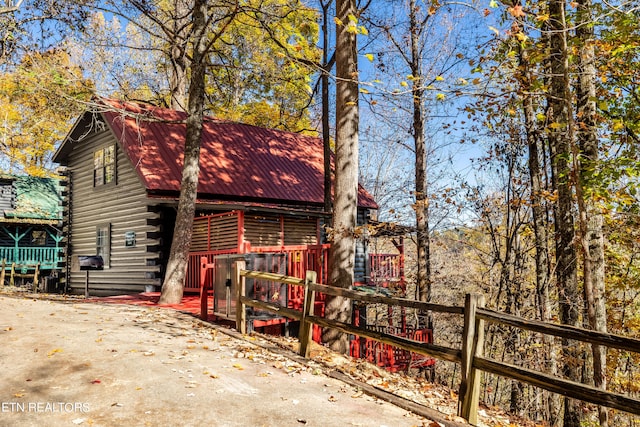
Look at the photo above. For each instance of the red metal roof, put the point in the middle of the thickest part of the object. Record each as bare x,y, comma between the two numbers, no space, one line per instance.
237,161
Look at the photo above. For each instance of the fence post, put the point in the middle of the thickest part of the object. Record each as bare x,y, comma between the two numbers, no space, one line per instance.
240,282
204,289
13,272
472,345
3,272
307,310
36,278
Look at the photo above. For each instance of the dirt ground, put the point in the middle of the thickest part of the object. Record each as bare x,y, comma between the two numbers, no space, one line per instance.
66,363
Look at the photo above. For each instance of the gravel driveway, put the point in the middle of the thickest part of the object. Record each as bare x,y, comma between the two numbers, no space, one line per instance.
66,363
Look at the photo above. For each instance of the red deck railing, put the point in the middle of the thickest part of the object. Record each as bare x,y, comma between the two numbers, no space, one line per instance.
392,358
384,269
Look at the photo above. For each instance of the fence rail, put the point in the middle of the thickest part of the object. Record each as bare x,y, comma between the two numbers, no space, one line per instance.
470,356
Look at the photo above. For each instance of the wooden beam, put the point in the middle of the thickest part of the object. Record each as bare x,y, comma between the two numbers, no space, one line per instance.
563,331
241,284
561,386
472,346
440,352
307,310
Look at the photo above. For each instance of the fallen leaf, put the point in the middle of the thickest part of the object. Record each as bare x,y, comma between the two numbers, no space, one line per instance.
96,381
54,351
238,366
332,399
18,395
301,421
8,328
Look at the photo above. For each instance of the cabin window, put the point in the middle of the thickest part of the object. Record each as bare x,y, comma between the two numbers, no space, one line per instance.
103,242
104,166
38,238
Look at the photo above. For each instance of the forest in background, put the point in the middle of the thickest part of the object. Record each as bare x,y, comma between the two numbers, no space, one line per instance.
506,134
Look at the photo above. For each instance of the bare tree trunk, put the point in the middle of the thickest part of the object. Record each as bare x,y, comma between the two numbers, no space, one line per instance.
173,286
560,139
342,258
178,55
543,275
422,201
590,220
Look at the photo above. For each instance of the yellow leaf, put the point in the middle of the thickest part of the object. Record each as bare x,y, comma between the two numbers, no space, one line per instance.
369,56
618,125
404,84
54,351
439,78
338,21
238,366
555,125
440,97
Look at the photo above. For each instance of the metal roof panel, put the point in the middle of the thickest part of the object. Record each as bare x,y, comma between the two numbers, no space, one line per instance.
236,160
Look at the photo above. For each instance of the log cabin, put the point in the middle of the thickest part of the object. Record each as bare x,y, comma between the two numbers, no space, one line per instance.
260,191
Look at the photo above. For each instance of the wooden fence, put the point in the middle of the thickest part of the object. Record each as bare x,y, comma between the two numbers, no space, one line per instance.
470,356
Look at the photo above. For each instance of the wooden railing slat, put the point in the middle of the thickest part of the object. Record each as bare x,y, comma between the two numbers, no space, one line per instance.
563,331
561,386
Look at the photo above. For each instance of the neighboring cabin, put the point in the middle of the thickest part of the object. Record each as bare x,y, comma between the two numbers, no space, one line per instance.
123,166
30,213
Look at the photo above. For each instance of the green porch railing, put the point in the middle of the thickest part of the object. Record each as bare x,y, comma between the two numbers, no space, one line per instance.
48,257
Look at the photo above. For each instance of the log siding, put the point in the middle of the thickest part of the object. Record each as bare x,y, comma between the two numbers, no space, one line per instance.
123,206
